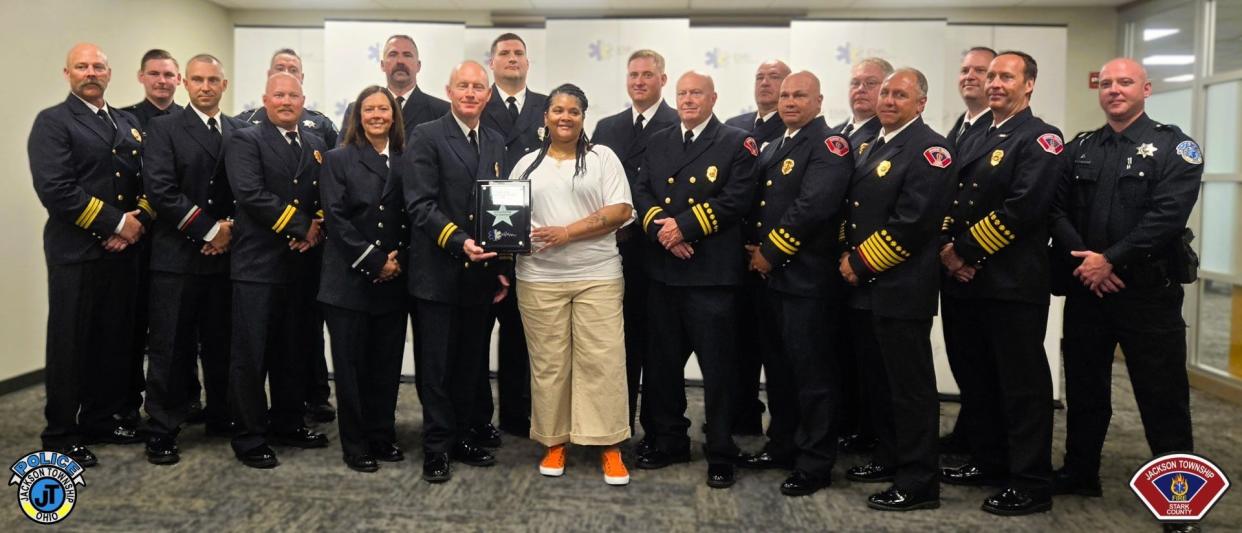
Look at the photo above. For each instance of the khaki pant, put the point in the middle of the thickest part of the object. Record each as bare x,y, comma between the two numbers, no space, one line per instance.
575,335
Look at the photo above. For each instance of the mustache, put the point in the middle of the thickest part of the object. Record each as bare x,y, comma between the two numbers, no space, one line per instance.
400,68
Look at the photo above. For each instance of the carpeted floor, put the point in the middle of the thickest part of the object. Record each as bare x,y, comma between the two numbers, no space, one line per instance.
313,491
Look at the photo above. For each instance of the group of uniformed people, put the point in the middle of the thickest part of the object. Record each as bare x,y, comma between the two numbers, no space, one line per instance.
771,240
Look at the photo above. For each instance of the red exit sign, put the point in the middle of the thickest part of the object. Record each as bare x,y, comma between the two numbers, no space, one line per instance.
1093,80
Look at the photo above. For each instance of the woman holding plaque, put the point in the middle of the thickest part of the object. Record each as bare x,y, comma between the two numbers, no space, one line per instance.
362,286
571,289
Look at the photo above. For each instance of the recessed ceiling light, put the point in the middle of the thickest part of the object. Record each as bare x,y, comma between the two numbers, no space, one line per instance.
1151,34
1169,59
1179,79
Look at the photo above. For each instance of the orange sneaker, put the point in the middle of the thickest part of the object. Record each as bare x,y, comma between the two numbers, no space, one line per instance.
615,472
553,464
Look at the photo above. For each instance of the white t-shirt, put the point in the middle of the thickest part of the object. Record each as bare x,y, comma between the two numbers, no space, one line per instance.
558,198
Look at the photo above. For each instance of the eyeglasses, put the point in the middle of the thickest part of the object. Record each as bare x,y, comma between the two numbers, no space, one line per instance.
696,93
870,84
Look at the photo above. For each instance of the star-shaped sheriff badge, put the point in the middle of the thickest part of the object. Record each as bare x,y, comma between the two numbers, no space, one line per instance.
1146,150
503,214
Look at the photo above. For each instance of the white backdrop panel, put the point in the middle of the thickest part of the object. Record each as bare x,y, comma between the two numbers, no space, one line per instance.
830,47
592,53
252,55
479,47
1047,44
353,51
731,56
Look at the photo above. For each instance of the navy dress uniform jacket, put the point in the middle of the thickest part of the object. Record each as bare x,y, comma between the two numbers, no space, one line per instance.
420,108
999,217
705,188
277,196
440,170
771,129
957,143
896,203
187,185
617,133
868,131
86,176
364,215
144,111
311,120
520,137
801,185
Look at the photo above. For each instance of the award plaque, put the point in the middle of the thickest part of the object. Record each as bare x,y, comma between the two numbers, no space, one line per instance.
503,215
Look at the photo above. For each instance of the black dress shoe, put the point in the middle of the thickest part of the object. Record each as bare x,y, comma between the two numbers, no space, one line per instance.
895,499
120,434
466,453
321,412
162,450
220,429
720,475
952,444
971,475
765,460
80,454
386,452
657,458
644,446
195,414
1015,502
361,463
870,473
1066,481
1182,527
436,467
801,484
857,443
261,457
301,438
486,436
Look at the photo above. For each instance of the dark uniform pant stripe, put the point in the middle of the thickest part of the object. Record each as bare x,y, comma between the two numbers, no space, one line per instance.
1148,324
681,320
960,339
634,307
89,329
803,381
895,357
366,360
512,403
273,330
187,311
452,345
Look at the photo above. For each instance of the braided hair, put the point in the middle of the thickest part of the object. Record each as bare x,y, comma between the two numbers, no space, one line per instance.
583,145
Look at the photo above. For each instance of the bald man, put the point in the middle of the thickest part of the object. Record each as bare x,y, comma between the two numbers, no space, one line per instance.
85,162
791,243
273,172
457,282
1119,229
696,182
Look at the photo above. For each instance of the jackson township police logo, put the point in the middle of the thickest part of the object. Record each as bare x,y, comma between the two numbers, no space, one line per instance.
47,485
1179,486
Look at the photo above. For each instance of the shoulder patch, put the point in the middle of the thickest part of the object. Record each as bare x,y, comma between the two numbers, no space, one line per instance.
751,147
938,157
1190,152
1051,143
314,112
837,145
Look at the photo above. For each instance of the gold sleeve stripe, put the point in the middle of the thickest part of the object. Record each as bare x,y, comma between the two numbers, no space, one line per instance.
702,217
780,243
841,232
988,246
875,257
87,217
711,216
784,238
886,248
284,219
445,233
651,214
144,205
869,258
991,234
948,221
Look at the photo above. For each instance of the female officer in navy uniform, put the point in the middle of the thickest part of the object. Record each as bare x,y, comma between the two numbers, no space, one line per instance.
362,286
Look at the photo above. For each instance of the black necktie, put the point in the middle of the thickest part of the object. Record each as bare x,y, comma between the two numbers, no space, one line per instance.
401,102
758,123
513,110
689,139
385,158
293,143
474,140
961,131
849,128
878,144
103,115
1096,236
783,141
212,125
991,130
638,124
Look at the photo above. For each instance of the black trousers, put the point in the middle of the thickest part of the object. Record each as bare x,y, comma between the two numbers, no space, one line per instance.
803,380
1148,324
452,344
89,326
317,389
274,332
964,374
187,309
366,360
634,311
853,416
750,354
512,405
682,320
1011,430
141,324
895,357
